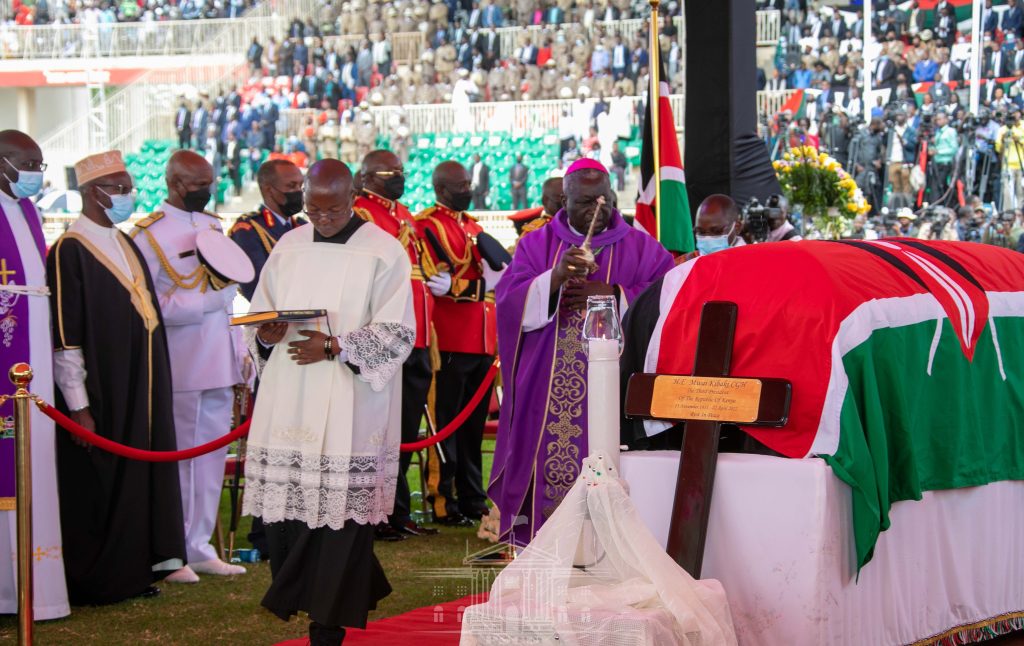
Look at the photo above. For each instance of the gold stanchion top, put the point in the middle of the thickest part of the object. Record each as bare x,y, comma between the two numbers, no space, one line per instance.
654,3
21,375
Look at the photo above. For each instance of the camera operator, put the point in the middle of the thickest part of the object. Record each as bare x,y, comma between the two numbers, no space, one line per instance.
768,222
839,132
1009,145
998,230
866,152
986,162
902,148
943,150
902,226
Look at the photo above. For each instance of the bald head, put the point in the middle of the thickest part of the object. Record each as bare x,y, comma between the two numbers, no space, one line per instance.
18,152
552,195
582,190
452,186
189,178
382,173
717,216
328,196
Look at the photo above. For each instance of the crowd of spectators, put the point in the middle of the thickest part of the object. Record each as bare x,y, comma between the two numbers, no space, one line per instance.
913,142
45,12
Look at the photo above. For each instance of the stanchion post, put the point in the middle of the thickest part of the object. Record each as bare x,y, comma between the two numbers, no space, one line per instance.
21,377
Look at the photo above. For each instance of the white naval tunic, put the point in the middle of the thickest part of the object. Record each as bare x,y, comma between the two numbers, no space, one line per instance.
206,358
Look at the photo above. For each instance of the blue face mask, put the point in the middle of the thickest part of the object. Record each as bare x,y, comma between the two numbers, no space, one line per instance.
710,244
29,182
121,206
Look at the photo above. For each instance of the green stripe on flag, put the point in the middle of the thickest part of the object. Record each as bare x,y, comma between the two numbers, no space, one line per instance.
904,431
674,212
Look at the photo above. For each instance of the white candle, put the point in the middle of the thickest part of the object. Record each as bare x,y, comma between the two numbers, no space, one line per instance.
603,399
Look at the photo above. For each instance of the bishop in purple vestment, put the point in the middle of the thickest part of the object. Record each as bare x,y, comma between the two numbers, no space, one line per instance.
541,300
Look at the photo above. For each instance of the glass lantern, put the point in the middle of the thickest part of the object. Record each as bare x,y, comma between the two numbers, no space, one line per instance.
601,327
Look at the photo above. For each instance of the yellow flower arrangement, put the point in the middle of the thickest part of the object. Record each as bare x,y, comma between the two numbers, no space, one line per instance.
818,183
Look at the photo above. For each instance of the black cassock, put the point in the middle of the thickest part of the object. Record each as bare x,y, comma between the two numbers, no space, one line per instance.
119,517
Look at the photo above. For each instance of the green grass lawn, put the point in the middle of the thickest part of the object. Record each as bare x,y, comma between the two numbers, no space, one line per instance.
221,610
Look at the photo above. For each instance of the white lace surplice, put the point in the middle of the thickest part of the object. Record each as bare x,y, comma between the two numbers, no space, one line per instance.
323,447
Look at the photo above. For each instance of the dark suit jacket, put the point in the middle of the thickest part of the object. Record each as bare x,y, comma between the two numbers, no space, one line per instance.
518,175
888,77
485,180
1003,68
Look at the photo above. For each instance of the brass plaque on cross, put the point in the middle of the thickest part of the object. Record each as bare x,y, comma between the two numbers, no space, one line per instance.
720,399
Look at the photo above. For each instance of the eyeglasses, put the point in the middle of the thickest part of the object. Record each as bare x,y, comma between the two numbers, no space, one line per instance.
324,215
30,165
389,173
116,189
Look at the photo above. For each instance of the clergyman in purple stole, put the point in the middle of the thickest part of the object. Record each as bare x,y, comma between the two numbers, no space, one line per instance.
542,436
14,334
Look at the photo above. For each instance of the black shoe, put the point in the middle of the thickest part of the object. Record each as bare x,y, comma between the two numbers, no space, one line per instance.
148,593
476,514
455,520
385,532
410,527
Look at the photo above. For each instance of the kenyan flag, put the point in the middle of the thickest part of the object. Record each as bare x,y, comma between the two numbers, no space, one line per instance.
904,355
669,222
796,105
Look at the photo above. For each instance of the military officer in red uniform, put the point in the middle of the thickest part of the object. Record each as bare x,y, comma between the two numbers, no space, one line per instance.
382,183
464,318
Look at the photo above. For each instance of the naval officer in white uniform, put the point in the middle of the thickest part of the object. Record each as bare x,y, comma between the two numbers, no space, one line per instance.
207,356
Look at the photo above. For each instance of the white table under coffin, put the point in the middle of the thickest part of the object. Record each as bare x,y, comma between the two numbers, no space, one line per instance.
780,540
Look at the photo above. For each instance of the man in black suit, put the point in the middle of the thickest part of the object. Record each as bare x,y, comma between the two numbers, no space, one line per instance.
528,56
996,62
884,74
183,124
233,159
481,183
837,26
490,47
948,70
517,178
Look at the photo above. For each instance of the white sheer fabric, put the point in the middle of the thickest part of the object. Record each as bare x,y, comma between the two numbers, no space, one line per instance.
378,350
595,576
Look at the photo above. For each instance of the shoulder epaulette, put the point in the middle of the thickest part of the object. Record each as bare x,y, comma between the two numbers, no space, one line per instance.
240,225
147,221
363,213
426,213
212,215
534,224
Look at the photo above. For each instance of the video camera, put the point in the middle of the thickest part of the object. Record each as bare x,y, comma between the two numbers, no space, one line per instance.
757,218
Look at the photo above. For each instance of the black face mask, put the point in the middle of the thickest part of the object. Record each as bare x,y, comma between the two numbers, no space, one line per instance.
196,200
460,201
292,203
394,187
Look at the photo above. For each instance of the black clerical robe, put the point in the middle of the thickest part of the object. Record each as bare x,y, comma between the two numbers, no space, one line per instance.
119,517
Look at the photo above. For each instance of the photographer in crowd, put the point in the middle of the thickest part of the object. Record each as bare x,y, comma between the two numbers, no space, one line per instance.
942,150
1009,145
901,151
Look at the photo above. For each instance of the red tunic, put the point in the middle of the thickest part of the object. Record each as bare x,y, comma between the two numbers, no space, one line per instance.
465,317
396,219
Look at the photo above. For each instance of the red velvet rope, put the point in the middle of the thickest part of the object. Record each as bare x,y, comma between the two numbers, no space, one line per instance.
77,430
460,418
116,448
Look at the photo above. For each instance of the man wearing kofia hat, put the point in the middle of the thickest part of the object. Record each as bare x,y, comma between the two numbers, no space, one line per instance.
121,518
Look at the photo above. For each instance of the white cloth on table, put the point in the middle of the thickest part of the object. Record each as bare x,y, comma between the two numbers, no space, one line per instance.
594,575
323,449
50,592
780,539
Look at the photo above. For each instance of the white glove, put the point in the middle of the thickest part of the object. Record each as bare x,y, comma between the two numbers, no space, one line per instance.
440,284
492,277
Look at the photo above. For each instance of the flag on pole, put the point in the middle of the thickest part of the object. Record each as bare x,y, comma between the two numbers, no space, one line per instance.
676,226
796,105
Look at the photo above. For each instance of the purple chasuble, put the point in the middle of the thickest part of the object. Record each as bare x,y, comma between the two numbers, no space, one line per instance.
542,434
15,328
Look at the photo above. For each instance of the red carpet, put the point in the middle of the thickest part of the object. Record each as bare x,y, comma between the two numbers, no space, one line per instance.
431,626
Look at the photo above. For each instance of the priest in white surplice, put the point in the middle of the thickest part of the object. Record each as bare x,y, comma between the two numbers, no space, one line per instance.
25,336
323,452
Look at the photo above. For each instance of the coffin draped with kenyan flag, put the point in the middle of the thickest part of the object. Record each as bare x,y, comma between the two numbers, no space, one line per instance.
906,358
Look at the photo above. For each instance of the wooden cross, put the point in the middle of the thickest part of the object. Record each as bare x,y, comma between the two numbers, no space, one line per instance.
4,271
705,400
